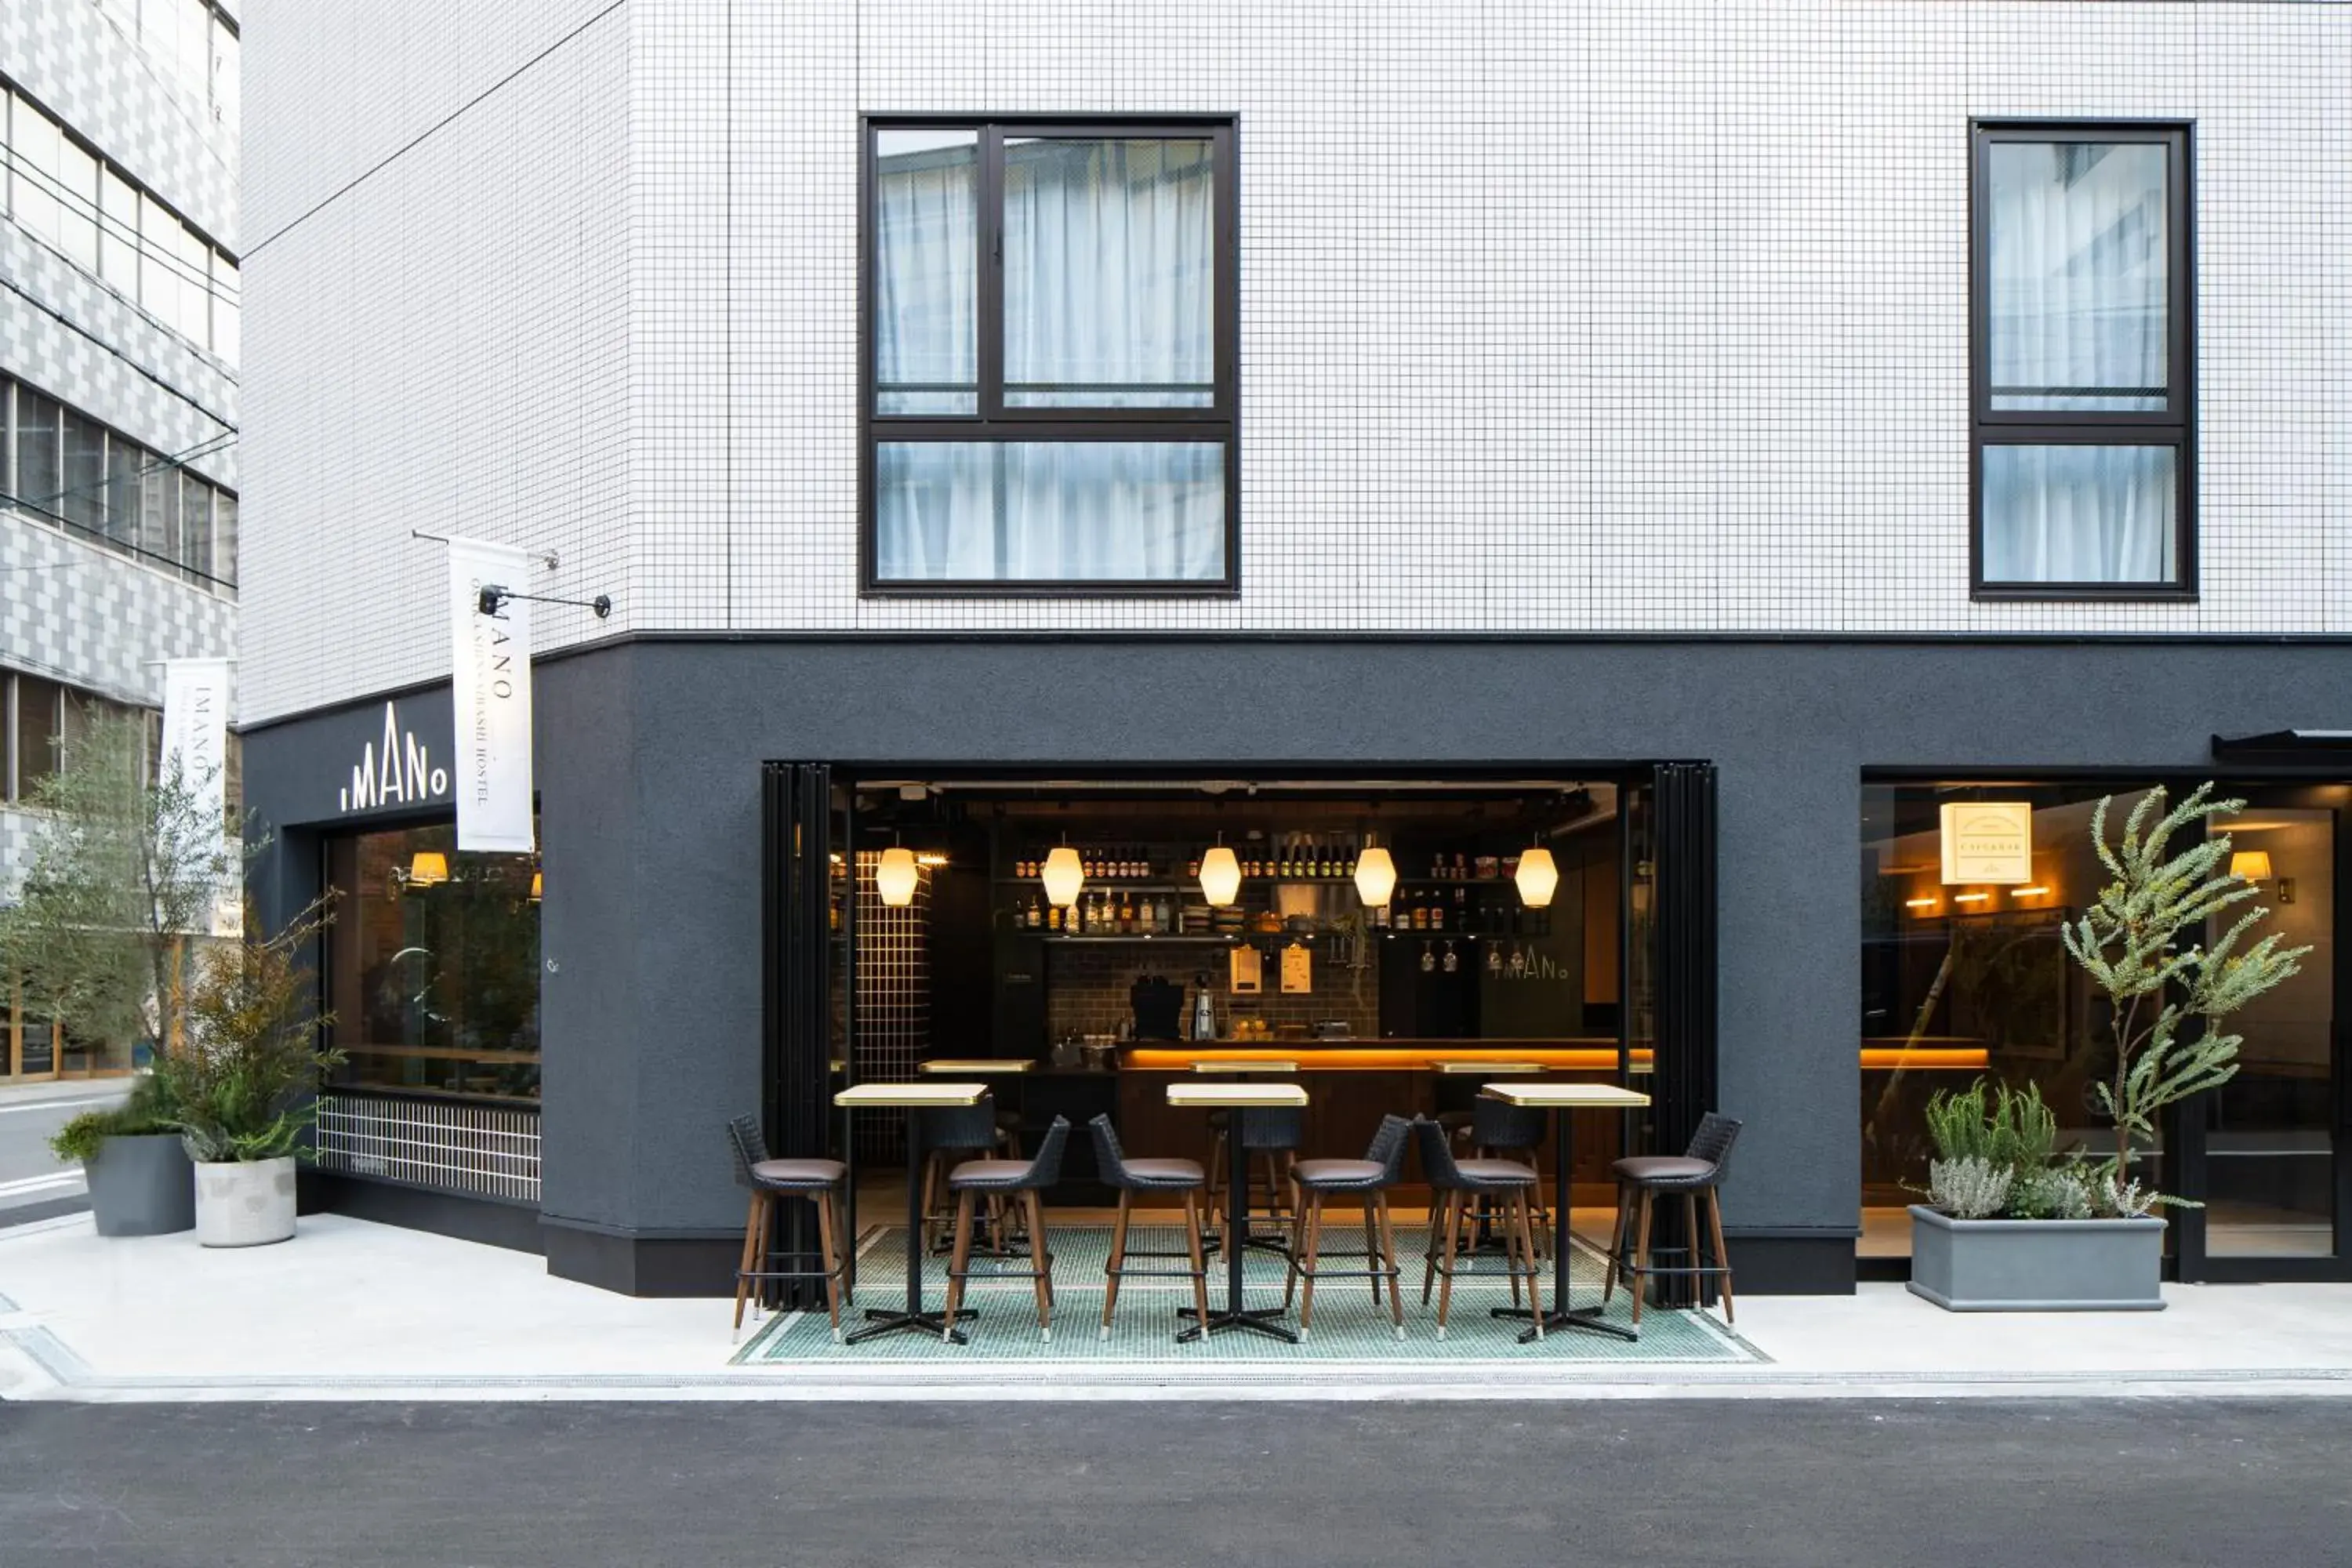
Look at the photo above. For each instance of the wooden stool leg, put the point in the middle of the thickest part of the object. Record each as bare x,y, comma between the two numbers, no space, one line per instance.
1200,1264
1690,1246
743,1265
1041,1262
826,1247
1117,1257
1371,1248
1722,1259
1389,1261
1640,1283
957,1262
1616,1245
1455,1202
1314,1245
1438,1204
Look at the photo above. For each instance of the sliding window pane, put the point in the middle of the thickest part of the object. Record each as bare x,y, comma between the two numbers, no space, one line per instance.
925,272
2080,514
83,500
78,205
226,286
1051,510
1109,273
195,551
34,145
124,461
159,510
39,467
118,237
2078,276
224,536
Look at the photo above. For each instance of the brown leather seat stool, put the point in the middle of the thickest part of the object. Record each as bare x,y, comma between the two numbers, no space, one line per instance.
1700,1169
1370,1178
1133,1176
1271,1134
819,1181
1454,1183
950,1133
1009,1180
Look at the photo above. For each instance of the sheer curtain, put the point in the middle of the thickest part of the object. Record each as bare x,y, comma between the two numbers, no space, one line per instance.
2078,283
1109,302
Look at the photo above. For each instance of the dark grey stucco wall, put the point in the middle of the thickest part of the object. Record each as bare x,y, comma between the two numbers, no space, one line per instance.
649,774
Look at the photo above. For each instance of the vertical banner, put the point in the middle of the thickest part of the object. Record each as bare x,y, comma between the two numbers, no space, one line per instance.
490,682
195,746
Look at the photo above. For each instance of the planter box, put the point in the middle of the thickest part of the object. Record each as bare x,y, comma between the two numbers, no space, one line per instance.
2037,1265
141,1186
248,1203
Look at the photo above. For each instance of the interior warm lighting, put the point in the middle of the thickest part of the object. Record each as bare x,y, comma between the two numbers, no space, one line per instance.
2033,892
2251,865
928,858
1537,878
896,876
1971,898
1375,875
430,866
1063,875
1918,903
534,887
1221,876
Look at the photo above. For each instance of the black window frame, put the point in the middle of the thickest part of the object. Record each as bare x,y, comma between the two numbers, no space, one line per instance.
993,421
2175,426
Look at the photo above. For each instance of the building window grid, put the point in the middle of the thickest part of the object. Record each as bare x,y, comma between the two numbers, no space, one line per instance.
2172,428
137,501
1003,424
68,196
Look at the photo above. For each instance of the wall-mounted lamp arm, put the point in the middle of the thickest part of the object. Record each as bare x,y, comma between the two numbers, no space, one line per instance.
493,595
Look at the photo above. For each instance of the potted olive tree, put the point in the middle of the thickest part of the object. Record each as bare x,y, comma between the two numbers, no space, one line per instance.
120,888
2012,1222
241,1086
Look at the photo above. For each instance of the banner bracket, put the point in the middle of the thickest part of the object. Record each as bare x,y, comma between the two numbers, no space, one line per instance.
492,597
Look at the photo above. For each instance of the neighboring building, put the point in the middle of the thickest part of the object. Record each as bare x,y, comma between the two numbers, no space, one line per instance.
118,301
1701,440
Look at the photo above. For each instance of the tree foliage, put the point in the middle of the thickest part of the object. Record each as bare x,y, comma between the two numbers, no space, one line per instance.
240,1083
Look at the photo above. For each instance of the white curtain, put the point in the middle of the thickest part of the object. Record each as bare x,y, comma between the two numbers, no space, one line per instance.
2078,514
1109,302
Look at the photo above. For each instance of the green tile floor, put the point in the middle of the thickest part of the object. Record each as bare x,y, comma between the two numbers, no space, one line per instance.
1348,1327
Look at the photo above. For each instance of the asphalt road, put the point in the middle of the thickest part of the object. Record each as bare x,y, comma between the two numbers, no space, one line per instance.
2047,1482
30,1176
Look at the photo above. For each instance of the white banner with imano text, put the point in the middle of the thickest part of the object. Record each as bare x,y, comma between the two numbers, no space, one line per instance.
196,747
490,683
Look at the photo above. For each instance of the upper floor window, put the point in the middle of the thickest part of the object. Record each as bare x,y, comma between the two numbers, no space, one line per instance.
2083,354
1049,321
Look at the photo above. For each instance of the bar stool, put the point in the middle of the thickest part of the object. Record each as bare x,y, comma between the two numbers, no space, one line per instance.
1276,1132
1500,1130
1641,1177
768,1179
972,1130
1372,1178
1454,1183
1006,1179
1133,1176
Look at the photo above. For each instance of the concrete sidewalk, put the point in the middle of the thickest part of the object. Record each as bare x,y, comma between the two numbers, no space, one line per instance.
351,1310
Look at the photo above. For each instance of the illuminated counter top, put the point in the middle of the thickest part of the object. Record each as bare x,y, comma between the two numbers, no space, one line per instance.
1931,1053
1595,1054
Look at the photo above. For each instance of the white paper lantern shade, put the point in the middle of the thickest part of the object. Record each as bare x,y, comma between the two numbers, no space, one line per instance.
895,878
1375,875
1221,876
1537,878
1063,875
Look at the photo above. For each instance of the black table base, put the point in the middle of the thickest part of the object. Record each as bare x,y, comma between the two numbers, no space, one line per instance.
1560,1317
914,1319
1266,1321
880,1321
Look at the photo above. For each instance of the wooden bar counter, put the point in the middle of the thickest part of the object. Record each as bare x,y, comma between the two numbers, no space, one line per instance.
1352,1084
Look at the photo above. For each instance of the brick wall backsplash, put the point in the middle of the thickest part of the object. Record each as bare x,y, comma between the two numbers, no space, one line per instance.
1088,989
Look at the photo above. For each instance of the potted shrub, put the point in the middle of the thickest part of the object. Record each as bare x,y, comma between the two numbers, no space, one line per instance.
121,883
241,1085
2012,1222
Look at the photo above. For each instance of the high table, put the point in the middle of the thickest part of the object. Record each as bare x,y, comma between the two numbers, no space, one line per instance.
1560,1099
1236,1097
914,1098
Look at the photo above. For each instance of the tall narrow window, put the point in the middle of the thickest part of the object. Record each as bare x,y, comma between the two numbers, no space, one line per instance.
1050,324
2083,362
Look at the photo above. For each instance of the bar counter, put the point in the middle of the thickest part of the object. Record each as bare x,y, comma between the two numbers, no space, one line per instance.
1595,1053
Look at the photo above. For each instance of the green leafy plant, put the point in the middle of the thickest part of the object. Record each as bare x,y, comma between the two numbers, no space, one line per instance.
141,1114
2129,943
2002,1126
240,1085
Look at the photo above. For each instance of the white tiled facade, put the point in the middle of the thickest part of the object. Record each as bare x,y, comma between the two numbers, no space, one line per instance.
72,611
1636,315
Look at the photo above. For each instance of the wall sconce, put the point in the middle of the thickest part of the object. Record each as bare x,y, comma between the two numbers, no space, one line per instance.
2036,892
428,868
1919,903
1971,898
1537,878
2251,865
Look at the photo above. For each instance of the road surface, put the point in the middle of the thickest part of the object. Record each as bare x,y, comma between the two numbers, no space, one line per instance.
32,1181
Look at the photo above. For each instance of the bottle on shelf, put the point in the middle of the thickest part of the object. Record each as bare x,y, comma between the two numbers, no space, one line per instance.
1053,917
1127,914
1437,912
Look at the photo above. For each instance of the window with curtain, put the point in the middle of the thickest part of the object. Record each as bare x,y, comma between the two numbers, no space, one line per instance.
1050,316
2082,363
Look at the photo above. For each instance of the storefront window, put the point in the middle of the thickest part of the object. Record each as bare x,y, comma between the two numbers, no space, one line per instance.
433,965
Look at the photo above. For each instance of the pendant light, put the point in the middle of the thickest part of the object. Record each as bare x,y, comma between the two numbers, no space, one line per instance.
896,876
1375,874
1537,878
1064,875
1221,876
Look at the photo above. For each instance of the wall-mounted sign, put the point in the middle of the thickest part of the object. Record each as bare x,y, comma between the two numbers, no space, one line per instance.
398,770
1244,971
1988,841
489,678
196,747
1298,970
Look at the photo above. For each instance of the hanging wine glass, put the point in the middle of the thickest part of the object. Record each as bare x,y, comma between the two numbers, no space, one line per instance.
1494,959
1428,959
1518,961
1452,958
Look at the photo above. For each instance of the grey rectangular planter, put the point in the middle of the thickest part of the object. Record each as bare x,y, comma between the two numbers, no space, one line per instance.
2037,1265
142,1186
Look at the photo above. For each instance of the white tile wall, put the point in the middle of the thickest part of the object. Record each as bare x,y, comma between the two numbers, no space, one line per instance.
1641,315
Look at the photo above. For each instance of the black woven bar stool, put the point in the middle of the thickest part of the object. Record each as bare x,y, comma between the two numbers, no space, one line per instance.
1370,1178
1273,1134
1007,1178
1133,1176
1641,1178
768,1179
1453,1184
974,1131
1499,1131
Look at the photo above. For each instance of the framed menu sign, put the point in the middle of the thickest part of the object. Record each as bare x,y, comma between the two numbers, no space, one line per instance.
1245,972
1988,841
1298,970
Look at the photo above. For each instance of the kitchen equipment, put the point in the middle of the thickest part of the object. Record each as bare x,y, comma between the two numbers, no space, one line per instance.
1098,1050
1158,1008
1333,1030
1204,1008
